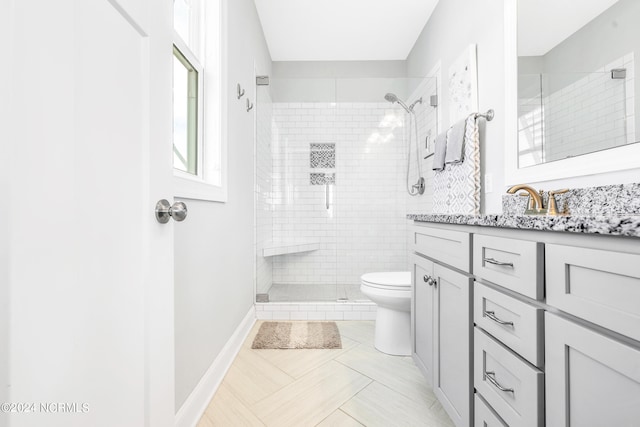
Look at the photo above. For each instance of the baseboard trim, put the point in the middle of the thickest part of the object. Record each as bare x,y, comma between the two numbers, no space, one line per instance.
195,405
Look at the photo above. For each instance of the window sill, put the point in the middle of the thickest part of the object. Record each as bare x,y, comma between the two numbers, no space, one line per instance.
190,188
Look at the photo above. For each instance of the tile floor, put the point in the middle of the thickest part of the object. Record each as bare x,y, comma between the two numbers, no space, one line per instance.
353,386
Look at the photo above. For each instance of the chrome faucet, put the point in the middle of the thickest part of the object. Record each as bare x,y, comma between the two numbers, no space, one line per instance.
536,204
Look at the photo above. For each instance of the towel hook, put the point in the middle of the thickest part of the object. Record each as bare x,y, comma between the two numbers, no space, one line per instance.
240,91
249,105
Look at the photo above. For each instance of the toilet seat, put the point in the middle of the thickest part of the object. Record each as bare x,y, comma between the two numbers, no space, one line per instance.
396,280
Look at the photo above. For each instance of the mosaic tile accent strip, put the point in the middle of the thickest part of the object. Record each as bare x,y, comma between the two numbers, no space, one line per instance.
322,178
322,156
608,200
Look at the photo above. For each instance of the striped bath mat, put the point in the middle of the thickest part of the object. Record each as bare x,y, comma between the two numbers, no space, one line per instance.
298,335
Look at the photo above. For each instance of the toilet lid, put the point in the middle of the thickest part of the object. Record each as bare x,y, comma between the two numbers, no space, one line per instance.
389,279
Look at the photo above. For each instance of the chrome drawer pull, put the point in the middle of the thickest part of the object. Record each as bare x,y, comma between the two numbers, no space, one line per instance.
496,262
492,315
489,376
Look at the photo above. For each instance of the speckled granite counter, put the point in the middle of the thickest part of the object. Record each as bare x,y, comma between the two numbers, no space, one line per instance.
613,210
628,226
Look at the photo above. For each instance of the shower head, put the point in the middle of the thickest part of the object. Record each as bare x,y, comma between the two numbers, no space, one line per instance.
391,97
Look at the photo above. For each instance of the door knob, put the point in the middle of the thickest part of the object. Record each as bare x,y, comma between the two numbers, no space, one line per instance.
164,211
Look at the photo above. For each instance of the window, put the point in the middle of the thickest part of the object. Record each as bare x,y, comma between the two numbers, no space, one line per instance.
199,148
185,114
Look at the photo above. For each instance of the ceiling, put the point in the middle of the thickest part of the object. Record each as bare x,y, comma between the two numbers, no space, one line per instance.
342,30
543,24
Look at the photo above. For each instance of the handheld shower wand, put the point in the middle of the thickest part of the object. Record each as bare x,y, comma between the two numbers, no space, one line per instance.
419,187
392,98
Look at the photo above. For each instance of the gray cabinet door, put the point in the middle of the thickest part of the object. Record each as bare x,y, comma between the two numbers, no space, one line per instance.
452,382
591,380
423,289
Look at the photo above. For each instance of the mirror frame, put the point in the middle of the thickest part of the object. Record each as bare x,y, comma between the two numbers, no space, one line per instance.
610,160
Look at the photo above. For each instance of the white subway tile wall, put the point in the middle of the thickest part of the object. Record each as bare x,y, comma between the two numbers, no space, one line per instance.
363,229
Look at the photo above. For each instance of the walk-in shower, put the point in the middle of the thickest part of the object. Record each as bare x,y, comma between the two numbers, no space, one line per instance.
331,171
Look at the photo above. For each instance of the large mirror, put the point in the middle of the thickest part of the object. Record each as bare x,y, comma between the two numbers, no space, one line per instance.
576,98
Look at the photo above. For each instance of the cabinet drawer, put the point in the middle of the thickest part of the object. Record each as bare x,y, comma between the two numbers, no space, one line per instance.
521,402
449,247
602,287
485,416
516,324
514,264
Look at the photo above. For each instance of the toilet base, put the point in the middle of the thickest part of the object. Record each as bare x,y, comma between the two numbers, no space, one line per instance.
393,332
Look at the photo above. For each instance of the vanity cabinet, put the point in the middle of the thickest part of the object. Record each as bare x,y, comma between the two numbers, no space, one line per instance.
442,328
552,338
592,380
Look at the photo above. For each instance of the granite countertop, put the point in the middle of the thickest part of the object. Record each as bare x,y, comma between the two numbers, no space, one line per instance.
623,225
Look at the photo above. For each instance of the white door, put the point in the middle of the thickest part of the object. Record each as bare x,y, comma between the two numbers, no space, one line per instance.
89,269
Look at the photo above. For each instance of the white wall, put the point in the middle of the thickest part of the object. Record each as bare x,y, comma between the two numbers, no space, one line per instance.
5,27
339,81
214,265
339,69
454,25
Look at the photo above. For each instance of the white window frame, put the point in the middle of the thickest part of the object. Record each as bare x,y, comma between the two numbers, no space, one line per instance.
210,183
197,66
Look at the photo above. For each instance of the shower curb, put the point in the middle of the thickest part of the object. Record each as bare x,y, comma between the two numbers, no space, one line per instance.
316,311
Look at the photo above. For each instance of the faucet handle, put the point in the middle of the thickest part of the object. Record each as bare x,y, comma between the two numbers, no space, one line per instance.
553,205
554,192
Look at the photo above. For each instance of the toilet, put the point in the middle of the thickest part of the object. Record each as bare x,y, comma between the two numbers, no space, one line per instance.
391,291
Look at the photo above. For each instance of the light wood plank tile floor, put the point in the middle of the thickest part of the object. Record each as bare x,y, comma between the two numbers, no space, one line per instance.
354,386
